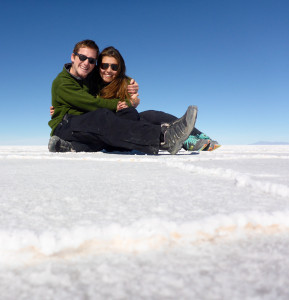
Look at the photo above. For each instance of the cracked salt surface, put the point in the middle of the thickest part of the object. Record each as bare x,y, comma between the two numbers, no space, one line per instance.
212,225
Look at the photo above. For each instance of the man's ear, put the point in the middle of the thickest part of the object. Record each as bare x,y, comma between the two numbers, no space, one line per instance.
72,57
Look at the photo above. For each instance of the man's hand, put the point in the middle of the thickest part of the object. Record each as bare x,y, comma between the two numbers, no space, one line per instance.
51,110
134,100
133,87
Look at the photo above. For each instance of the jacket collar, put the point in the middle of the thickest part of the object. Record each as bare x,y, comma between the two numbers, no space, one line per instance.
67,68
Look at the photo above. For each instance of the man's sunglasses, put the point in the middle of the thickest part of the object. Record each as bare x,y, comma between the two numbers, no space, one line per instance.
105,66
82,57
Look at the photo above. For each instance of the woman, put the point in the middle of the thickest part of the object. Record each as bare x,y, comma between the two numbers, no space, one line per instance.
112,83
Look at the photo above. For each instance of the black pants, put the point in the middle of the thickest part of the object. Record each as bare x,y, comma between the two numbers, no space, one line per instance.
151,116
159,117
101,129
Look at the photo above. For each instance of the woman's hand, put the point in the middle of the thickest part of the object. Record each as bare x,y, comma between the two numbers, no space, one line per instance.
133,87
134,100
121,105
51,110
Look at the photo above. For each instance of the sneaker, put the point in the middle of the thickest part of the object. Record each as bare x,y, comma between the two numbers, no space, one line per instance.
56,144
213,145
193,143
178,131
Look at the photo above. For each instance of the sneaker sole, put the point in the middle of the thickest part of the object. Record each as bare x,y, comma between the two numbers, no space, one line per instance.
212,148
191,117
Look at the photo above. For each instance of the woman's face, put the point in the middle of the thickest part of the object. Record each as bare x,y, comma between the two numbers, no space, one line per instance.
108,68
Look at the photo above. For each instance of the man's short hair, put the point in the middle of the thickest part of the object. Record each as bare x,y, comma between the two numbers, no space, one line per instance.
86,44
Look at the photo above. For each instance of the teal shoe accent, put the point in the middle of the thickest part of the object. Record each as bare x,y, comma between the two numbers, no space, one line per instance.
193,143
203,136
190,142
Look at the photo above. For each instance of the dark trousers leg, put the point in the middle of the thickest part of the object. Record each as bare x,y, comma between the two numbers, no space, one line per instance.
159,117
129,113
63,130
156,117
104,127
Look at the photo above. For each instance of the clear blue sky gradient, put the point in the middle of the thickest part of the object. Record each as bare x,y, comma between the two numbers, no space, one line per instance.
230,58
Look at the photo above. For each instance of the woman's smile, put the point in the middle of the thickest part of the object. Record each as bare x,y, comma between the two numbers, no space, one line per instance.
108,75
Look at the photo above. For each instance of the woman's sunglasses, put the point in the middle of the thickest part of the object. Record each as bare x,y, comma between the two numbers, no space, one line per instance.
105,66
82,57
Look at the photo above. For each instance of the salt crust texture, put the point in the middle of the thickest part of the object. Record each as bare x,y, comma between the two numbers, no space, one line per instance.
209,225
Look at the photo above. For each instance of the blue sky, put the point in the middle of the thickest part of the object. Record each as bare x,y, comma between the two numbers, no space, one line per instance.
228,57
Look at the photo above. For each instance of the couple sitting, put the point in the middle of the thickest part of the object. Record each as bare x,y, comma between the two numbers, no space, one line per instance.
94,108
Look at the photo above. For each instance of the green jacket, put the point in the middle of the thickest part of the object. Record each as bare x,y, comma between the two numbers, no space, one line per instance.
71,95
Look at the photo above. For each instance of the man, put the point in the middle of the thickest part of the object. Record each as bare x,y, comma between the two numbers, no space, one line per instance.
82,122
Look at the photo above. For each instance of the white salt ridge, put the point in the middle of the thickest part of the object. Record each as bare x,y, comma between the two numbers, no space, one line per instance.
145,235
240,179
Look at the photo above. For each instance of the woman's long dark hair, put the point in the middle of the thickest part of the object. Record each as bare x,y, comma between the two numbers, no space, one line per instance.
117,89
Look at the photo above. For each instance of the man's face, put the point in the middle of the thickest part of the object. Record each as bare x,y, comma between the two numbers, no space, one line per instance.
82,68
